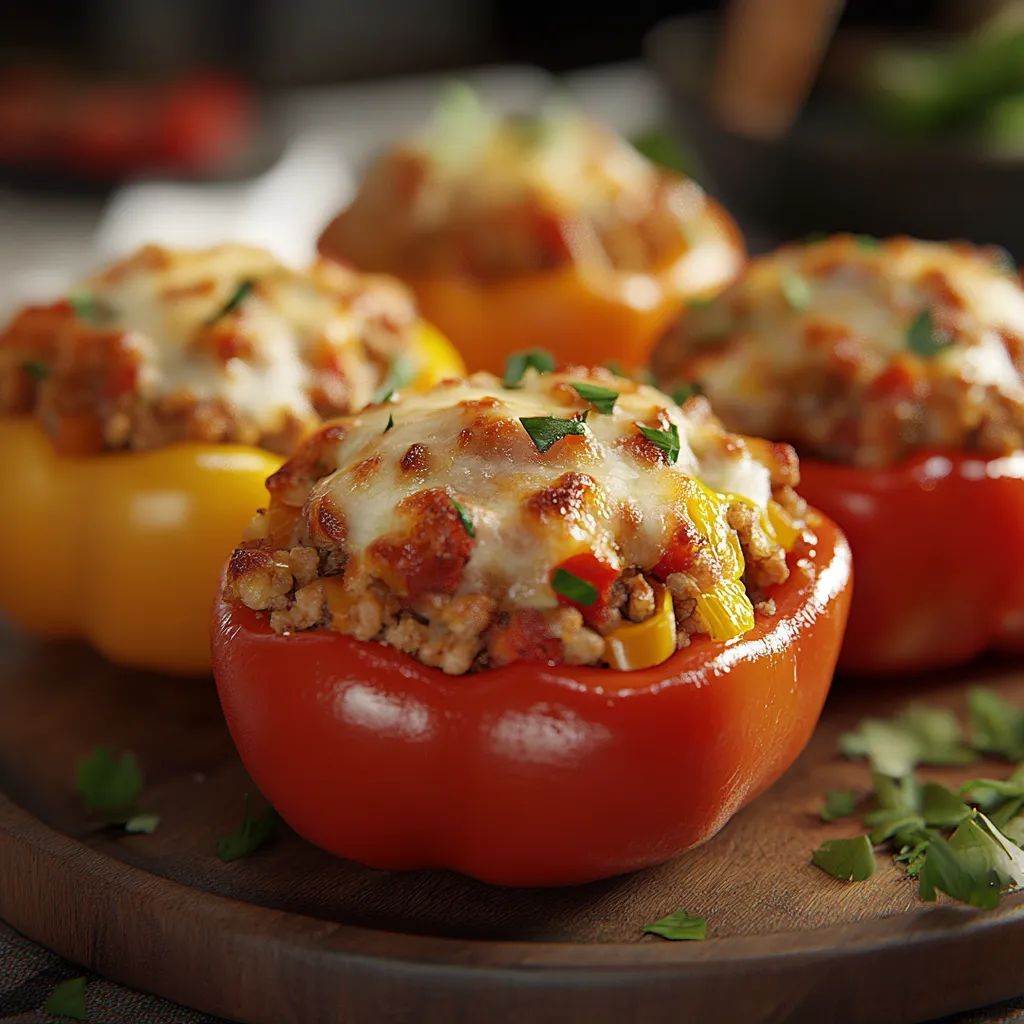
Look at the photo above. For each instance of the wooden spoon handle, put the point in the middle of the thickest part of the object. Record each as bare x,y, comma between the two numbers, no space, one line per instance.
767,61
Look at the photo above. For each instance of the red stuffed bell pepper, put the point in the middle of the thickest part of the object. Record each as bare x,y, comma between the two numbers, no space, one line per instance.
540,634
894,367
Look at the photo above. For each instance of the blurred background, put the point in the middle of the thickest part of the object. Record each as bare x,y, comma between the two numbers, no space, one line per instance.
192,121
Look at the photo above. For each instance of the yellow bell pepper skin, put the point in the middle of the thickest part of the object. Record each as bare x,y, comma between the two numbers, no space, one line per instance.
637,645
435,356
123,550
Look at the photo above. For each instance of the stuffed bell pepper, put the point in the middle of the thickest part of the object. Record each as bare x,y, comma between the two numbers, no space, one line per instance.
140,416
540,631
894,367
549,230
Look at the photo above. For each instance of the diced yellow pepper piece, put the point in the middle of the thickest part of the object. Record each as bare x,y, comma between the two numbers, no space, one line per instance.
637,645
726,610
782,525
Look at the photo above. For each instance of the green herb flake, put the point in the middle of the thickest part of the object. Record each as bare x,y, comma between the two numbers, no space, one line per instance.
401,373
251,835
852,860
240,294
574,589
603,399
107,782
545,431
662,149
467,523
996,726
839,803
941,807
679,927
796,290
35,369
684,392
666,440
617,369
518,363
88,308
142,824
923,338
973,866
391,423
699,302
67,1000
868,242
917,736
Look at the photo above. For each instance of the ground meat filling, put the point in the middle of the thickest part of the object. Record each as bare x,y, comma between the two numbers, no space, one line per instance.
426,587
223,345
862,351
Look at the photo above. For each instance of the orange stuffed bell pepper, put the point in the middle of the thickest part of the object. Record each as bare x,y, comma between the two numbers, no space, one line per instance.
141,417
539,633
895,369
550,232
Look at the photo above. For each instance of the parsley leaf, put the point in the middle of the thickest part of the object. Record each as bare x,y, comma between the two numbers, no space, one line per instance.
839,803
88,308
144,824
617,369
796,290
922,336
67,1000
686,391
699,302
666,440
251,835
239,296
544,431
574,589
852,860
941,807
518,363
996,726
391,423
467,523
662,149
679,927
401,373
603,399
109,783
868,242
917,736
36,369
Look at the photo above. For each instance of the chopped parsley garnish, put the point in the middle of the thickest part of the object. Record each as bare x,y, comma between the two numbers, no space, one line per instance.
679,927
852,860
699,302
684,392
574,589
391,423
666,440
839,803
603,399
997,727
662,149
467,523
868,242
518,363
238,297
796,290
400,375
251,834
36,369
617,369
923,338
143,824
88,308
107,782
544,431
67,1000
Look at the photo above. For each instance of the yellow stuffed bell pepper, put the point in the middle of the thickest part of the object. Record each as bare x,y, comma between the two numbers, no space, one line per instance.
550,232
124,548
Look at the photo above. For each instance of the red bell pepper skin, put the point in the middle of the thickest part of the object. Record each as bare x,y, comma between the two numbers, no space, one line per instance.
529,774
938,545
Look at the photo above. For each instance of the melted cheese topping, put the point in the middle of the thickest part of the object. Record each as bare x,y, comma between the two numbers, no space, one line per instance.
261,357
609,491
807,316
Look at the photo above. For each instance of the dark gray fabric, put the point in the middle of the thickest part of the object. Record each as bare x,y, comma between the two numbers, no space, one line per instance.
28,974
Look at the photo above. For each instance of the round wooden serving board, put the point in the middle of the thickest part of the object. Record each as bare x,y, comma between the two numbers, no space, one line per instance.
291,935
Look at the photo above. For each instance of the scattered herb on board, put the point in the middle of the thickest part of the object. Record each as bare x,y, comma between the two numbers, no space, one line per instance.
965,843
467,523
67,1000
923,338
571,587
36,369
544,431
110,784
251,834
518,363
666,440
603,399
240,294
679,927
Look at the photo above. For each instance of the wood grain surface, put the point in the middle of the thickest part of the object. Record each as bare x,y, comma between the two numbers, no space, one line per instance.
291,934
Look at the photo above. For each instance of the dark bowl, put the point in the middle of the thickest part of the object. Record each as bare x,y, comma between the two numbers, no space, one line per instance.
832,172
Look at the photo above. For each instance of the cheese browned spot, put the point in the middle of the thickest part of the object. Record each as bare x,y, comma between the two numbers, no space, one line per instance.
882,348
450,547
219,345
